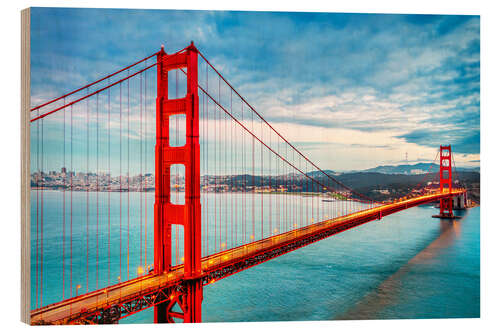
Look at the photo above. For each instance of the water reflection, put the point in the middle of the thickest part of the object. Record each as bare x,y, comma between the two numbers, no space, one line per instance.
387,293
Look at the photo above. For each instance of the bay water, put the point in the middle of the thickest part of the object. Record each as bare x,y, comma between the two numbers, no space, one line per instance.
408,265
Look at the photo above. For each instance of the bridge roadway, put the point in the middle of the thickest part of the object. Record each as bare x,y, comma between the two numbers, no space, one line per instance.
215,267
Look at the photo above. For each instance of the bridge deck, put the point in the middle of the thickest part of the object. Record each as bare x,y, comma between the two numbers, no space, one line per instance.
219,265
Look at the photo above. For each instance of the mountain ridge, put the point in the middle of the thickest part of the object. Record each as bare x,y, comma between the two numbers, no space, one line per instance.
413,169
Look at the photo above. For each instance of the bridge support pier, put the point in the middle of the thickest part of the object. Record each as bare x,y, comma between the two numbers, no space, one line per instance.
183,304
445,209
194,296
160,313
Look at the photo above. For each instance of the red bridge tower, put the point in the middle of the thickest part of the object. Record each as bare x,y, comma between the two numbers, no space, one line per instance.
445,182
188,215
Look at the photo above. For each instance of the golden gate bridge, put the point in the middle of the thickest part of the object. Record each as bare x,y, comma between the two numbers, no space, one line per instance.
230,192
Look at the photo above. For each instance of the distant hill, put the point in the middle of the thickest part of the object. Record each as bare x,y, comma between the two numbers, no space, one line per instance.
400,179
360,180
412,169
402,169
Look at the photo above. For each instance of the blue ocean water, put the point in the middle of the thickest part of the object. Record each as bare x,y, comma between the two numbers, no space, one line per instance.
408,265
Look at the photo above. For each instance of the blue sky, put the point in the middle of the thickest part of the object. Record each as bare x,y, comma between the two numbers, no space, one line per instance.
351,90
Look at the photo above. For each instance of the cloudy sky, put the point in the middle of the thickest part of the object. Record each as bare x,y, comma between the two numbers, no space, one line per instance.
352,91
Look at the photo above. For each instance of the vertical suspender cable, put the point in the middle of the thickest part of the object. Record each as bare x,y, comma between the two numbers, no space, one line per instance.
225,178
97,195
206,161
318,197
307,198
41,231
72,171
219,173
141,186
202,171
285,170
120,180
64,199
145,166
128,179
231,168
278,186
88,188
243,196
301,201
177,252
109,185
216,140
270,189
253,183
39,183
261,186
